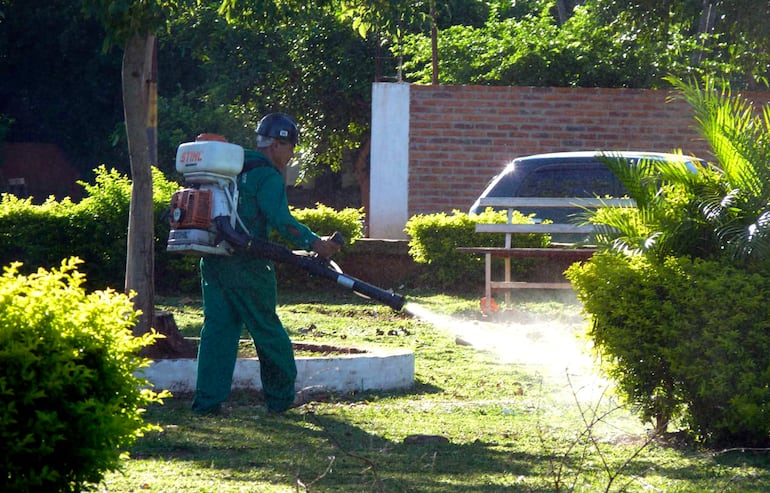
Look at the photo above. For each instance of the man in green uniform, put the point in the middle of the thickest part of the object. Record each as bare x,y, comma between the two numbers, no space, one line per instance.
240,290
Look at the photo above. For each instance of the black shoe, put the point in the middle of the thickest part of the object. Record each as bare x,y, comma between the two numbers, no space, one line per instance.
315,393
210,411
304,396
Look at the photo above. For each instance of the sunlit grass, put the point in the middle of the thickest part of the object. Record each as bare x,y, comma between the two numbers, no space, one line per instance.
505,430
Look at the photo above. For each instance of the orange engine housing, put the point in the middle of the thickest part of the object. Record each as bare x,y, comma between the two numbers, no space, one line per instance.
191,209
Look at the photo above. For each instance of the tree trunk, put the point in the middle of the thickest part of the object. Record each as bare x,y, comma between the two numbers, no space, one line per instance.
564,11
138,87
705,26
361,170
173,345
434,43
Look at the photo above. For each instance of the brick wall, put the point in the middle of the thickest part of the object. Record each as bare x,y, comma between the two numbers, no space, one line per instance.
461,136
44,169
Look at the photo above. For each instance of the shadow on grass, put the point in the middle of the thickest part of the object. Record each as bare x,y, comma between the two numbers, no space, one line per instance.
392,465
357,444
319,445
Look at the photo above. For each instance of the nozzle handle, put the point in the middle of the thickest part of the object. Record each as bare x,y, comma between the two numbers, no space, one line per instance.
337,238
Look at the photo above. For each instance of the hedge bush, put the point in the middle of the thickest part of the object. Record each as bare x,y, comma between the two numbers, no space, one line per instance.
69,400
686,340
434,238
95,230
38,235
325,220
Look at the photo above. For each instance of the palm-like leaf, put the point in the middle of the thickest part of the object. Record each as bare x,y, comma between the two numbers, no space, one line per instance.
660,224
740,139
721,209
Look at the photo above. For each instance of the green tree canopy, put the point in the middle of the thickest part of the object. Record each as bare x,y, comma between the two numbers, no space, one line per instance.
63,88
222,77
606,43
311,61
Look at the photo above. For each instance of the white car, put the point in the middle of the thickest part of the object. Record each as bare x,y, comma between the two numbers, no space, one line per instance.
565,174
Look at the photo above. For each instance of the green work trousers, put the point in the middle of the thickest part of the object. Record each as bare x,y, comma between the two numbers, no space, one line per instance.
235,297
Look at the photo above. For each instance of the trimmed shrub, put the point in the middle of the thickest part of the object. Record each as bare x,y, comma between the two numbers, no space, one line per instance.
434,238
324,220
100,233
38,235
69,400
685,340
95,230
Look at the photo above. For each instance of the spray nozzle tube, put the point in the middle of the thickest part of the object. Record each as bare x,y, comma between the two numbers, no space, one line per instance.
314,265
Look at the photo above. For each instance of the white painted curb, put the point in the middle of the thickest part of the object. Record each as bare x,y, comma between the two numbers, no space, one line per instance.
376,369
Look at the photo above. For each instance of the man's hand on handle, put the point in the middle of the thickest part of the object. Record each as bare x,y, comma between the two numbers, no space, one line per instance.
325,247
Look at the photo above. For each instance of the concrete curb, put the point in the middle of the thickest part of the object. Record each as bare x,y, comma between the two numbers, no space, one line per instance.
374,369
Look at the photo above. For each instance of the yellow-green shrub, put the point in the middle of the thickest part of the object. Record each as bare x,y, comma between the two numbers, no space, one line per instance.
69,400
434,238
684,339
95,230
325,220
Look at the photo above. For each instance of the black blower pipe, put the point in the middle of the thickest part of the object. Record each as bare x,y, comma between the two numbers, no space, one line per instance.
314,265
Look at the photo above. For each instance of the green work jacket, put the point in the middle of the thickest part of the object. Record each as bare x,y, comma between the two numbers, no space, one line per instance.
262,207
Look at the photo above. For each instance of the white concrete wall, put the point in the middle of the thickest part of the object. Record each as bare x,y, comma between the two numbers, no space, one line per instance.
389,171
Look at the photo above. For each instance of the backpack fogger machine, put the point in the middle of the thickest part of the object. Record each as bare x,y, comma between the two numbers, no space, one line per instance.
204,218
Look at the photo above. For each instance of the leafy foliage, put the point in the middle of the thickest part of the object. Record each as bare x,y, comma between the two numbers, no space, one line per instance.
737,206
123,19
24,225
434,238
603,43
718,210
220,74
674,351
679,299
324,220
312,68
70,400
93,230
667,218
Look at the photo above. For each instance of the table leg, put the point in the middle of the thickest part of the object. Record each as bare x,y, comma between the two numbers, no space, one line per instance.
488,282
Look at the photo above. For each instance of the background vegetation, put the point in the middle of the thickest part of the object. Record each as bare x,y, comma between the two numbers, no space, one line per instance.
41,235
434,238
317,63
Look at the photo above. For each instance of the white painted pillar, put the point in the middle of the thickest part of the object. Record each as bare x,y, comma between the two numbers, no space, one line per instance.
389,162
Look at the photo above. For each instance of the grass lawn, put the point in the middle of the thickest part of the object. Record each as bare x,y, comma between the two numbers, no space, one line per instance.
508,426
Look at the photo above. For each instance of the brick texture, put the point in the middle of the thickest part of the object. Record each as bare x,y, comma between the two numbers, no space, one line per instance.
461,136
